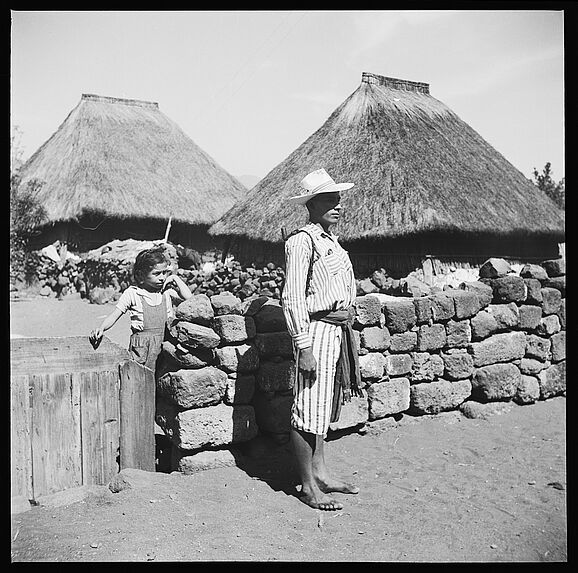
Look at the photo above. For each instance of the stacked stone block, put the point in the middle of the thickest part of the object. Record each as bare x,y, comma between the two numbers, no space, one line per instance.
230,368
206,380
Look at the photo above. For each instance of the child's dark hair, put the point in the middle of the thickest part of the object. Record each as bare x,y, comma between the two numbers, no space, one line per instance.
145,261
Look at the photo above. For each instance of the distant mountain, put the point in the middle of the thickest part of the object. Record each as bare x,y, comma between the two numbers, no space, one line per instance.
249,181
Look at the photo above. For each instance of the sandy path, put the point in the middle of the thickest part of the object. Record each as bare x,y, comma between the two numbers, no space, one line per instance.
435,489
69,317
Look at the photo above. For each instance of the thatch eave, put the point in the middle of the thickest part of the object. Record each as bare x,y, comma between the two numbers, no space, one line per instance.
417,167
126,159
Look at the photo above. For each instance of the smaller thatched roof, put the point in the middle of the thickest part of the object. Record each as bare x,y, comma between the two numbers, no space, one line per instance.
417,168
123,158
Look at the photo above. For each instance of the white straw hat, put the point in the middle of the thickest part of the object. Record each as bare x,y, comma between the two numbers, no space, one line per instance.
317,182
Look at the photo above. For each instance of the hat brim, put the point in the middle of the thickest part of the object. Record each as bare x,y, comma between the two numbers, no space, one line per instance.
302,199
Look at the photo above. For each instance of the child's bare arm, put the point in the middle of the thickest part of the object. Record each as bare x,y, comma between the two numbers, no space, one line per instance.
179,285
97,333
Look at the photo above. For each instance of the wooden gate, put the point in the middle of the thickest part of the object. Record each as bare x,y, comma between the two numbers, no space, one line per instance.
78,415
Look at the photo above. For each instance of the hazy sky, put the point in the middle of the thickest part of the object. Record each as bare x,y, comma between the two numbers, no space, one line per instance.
249,87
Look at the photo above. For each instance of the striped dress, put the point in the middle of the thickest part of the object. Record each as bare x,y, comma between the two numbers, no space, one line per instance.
331,287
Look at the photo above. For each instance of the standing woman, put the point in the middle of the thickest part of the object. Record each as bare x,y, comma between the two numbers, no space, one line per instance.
317,303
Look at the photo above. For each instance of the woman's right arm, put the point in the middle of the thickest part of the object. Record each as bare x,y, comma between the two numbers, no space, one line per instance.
298,252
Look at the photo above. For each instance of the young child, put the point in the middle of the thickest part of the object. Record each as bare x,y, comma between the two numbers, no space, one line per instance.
150,303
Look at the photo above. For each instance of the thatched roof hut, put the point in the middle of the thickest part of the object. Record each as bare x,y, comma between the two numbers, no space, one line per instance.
425,182
119,168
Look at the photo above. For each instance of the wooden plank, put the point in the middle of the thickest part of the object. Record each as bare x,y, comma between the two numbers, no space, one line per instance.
137,412
20,443
63,354
100,415
56,462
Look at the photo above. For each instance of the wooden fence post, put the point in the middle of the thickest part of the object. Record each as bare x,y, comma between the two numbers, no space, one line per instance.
137,414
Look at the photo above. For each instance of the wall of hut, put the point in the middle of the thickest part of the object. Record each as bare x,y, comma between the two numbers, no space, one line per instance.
92,232
228,370
400,256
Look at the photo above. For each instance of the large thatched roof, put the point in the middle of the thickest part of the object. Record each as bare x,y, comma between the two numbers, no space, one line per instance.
125,159
417,168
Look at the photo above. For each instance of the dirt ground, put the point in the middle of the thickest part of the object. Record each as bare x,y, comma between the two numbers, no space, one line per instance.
434,489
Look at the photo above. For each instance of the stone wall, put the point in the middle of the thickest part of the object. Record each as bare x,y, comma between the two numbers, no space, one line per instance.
228,368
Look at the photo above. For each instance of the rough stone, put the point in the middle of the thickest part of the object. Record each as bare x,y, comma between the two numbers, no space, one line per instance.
398,364
531,366
274,344
403,341
440,396
551,300
484,324
238,358
270,318
375,338
562,314
273,411
381,279
186,357
226,303
496,382
458,333
253,304
443,307
485,292
538,347
558,346
366,286
213,426
353,413
528,390
473,409
367,310
234,328
494,267
371,365
529,317
552,380
431,337
466,303
414,286
276,376
559,283
399,315
240,388
458,364
555,267
423,309
530,271
548,325
506,315
510,288
388,397
132,478
194,388
426,367
498,348
197,309
191,463
194,335
533,291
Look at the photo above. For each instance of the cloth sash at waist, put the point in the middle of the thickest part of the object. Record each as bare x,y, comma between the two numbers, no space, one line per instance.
347,374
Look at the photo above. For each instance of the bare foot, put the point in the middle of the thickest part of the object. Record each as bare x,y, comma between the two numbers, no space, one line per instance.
318,500
334,485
